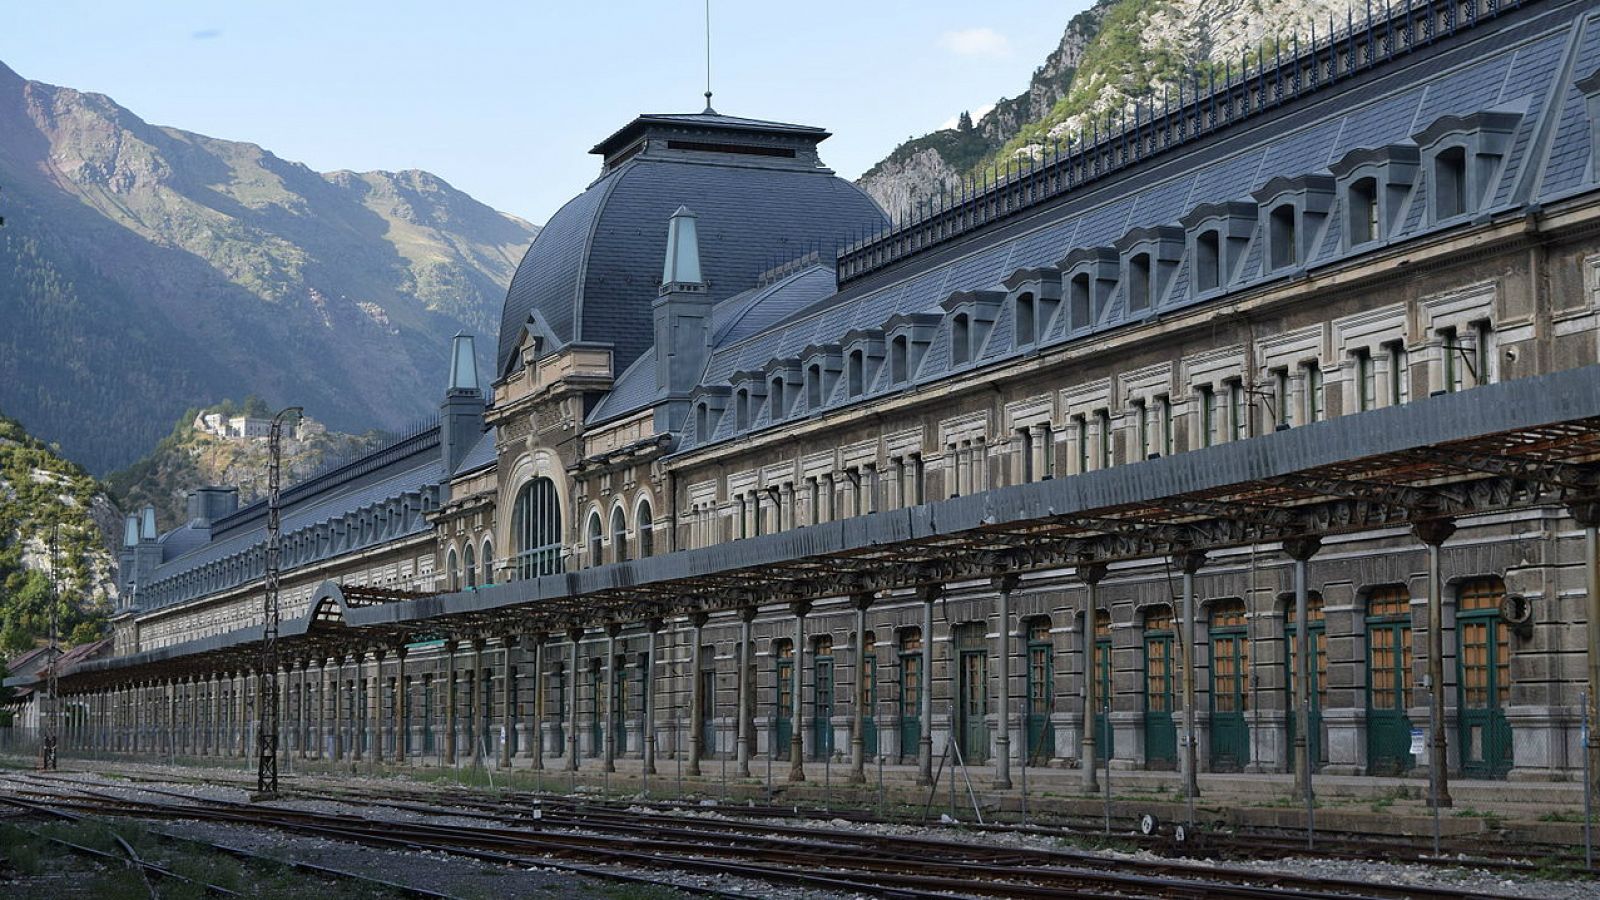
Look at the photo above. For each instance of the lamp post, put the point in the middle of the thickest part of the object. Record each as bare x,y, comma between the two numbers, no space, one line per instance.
267,675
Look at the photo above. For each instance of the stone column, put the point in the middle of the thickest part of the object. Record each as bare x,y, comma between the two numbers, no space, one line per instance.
1433,533
858,712
1190,562
1091,573
450,702
574,635
697,703
797,765
1301,550
1005,584
536,744
929,594
612,714
745,715
654,625
508,702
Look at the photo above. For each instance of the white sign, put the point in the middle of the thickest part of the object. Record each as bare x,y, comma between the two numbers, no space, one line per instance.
1416,742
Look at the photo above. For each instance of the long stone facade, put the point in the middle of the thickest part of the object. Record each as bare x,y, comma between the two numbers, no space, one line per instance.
1355,233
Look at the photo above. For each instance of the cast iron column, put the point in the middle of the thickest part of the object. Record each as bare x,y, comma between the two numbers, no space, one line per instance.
1005,584
797,766
1588,515
574,635
536,732
929,594
858,714
1301,550
1190,562
1434,532
612,715
697,702
1091,573
450,702
746,720
654,625
508,702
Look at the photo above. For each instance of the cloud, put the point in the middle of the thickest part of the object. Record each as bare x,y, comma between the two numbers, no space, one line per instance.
982,41
207,34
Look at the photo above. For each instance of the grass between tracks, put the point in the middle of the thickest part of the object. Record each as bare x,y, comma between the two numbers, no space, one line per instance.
32,865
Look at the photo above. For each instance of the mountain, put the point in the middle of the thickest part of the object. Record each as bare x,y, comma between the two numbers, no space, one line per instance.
1113,55
43,496
145,270
190,457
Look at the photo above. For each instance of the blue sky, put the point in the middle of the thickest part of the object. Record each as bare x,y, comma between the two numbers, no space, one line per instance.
504,100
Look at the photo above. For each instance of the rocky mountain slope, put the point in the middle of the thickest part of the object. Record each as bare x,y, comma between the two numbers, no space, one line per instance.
1116,53
189,458
145,270
43,495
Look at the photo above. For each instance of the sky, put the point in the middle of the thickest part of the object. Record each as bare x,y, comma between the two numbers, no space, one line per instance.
504,100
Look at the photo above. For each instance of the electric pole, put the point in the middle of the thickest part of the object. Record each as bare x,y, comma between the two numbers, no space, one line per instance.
52,709
267,676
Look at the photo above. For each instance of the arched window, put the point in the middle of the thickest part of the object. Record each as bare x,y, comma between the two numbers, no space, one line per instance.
1450,183
856,366
452,571
1025,323
594,535
1283,242
619,535
488,562
645,525
899,369
1364,211
536,530
471,561
814,387
741,409
1208,261
702,423
778,406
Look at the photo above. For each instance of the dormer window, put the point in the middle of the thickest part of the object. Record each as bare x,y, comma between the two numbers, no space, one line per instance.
779,409
741,409
855,369
1026,332
961,340
1363,204
1139,281
1281,237
1081,299
814,386
1462,156
1208,261
1450,183
899,359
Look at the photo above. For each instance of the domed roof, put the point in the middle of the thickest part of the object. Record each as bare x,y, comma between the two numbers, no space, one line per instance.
762,197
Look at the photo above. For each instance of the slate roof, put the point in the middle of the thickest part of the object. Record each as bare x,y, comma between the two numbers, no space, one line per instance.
1499,68
595,268
480,456
628,132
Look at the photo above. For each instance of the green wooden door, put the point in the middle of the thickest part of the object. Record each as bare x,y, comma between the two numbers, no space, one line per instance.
597,695
427,714
910,696
973,705
822,706
1160,732
1388,682
1103,735
1041,734
1317,684
1483,683
869,725
783,719
1230,666
619,705
708,712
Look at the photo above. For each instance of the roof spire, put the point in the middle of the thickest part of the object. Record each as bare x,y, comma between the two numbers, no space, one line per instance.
463,364
709,111
682,264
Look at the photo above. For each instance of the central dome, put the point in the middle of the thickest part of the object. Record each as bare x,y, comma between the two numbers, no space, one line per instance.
762,195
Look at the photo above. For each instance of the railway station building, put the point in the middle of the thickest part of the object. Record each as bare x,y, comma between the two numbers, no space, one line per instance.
1056,474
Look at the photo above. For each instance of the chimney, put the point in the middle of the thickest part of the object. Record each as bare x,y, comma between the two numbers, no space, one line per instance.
682,312
211,503
461,413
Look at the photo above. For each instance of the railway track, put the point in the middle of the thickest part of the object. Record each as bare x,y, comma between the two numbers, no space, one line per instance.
812,857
